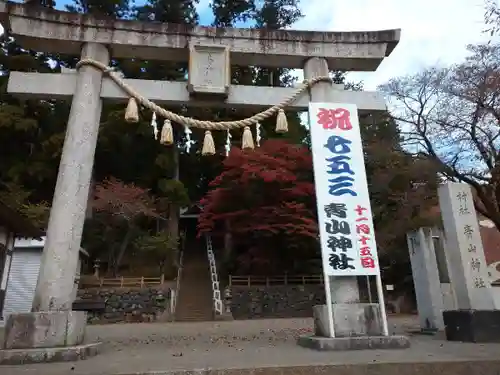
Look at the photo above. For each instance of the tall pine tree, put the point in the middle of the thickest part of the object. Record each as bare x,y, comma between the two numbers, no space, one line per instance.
31,135
276,15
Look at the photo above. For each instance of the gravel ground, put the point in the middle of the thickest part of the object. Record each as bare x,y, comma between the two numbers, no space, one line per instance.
138,348
207,334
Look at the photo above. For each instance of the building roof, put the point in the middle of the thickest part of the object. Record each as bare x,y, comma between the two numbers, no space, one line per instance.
16,222
191,211
37,243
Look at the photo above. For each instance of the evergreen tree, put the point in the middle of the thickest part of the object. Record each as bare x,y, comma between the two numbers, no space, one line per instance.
44,3
31,133
181,12
101,8
228,12
275,15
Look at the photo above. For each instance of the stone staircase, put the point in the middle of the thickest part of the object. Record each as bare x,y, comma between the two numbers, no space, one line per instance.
195,301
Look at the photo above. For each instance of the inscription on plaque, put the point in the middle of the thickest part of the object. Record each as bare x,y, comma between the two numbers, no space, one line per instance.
209,70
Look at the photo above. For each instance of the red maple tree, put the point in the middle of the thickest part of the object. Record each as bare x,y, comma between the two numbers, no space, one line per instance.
268,190
125,203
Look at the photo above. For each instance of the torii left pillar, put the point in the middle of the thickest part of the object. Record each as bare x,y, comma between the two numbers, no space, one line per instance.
52,323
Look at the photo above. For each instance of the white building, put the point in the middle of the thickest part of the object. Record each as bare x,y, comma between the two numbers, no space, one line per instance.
22,275
12,224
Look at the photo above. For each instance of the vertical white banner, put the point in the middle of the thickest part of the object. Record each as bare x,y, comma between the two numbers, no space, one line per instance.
344,213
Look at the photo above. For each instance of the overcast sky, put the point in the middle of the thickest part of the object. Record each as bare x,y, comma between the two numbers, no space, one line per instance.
433,31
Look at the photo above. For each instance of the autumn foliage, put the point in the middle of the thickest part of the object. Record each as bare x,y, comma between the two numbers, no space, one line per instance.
265,192
125,201
123,205
265,198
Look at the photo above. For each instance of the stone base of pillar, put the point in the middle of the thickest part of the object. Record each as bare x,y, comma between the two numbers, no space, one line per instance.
358,326
49,336
46,355
448,298
356,319
353,343
47,329
478,326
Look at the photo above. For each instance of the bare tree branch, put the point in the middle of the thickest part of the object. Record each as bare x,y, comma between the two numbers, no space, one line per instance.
451,116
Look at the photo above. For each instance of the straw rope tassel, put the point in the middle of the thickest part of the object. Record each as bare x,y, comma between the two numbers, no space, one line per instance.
208,144
247,141
132,112
281,122
167,133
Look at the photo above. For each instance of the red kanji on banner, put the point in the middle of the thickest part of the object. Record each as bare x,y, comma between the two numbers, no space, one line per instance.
367,262
362,228
364,240
334,118
365,251
359,209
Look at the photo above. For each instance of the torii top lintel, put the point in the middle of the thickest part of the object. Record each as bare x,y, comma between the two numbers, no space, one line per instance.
53,31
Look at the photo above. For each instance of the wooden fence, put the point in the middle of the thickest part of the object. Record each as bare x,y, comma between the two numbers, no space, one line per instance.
119,282
275,280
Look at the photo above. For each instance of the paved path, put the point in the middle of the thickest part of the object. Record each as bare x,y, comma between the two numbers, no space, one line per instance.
136,348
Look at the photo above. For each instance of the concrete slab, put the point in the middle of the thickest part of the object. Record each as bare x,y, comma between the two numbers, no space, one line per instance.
267,346
353,343
47,355
441,368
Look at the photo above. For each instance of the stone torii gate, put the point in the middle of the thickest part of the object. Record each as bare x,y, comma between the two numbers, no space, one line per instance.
210,51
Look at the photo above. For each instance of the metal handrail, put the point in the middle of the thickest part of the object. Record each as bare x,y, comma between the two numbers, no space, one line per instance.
216,295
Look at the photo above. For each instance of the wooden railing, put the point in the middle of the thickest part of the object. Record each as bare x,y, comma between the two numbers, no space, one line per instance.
276,280
120,282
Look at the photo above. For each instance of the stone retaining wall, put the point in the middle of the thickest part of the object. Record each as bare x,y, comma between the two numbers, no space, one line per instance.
281,301
129,304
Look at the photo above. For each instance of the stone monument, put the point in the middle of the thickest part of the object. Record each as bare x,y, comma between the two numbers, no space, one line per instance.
53,327
475,318
430,270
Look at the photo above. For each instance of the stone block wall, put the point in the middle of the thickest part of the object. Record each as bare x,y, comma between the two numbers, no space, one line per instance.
126,305
280,301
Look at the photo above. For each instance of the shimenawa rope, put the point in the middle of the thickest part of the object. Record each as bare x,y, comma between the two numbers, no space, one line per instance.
135,97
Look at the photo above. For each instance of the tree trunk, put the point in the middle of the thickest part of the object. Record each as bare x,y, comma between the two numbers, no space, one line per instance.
89,211
228,242
173,215
121,253
111,259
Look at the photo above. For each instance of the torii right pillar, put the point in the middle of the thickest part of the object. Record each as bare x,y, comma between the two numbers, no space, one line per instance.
345,290
476,318
343,323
